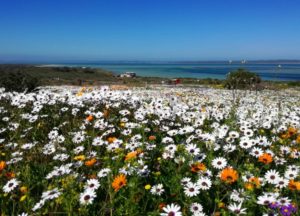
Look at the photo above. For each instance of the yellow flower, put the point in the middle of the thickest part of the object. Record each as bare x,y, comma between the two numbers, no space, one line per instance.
79,157
79,94
221,205
23,189
147,187
23,198
157,173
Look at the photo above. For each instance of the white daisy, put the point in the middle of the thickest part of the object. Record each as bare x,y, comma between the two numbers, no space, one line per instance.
157,189
245,143
256,152
171,210
289,174
87,197
10,185
229,148
282,183
192,149
284,201
204,183
272,176
92,184
104,172
185,181
238,195
51,194
196,208
219,163
237,209
265,200
191,189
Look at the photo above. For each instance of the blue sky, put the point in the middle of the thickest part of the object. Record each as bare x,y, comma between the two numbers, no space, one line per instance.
84,30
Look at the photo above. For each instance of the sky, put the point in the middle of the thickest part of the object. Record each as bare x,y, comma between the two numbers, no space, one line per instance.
100,30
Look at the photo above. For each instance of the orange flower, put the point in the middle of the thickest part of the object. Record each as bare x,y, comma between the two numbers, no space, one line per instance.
229,175
254,181
131,155
90,162
151,138
248,186
10,175
2,165
294,185
197,167
265,158
285,136
298,139
119,182
292,131
111,139
90,118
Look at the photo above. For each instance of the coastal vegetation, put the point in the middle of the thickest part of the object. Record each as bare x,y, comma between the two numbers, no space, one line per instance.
27,77
18,81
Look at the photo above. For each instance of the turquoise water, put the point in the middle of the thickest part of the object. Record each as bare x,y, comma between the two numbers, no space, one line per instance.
201,70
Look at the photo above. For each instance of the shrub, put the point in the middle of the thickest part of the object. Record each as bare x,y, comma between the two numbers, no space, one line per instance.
18,81
242,79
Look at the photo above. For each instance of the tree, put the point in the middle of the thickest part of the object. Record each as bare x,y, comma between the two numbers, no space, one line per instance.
242,79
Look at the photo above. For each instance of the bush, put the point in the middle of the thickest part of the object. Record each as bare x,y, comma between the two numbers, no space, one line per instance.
242,79
18,81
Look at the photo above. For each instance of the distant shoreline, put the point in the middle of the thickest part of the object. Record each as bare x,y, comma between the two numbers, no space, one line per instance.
275,70
67,62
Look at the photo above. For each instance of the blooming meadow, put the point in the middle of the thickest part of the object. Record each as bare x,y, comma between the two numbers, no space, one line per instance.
165,151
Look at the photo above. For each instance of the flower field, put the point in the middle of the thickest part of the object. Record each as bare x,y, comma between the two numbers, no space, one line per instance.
164,151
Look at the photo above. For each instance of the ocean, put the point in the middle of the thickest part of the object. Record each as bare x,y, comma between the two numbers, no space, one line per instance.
268,71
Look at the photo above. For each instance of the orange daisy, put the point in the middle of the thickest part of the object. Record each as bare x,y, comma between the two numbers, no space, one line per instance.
151,138
265,158
229,175
2,165
119,182
255,181
131,155
111,139
197,167
10,175
90,118
292,131
294,185
285,136
90,162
